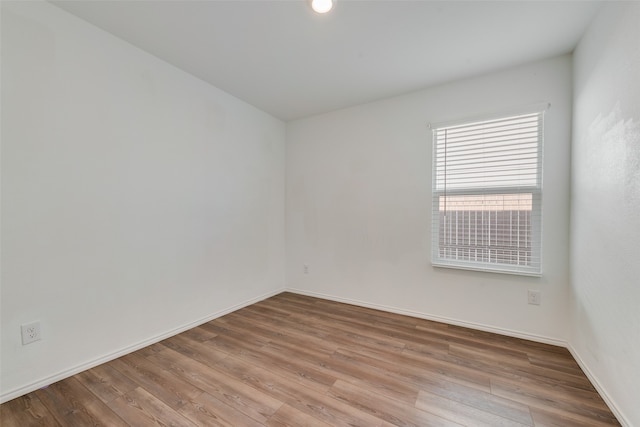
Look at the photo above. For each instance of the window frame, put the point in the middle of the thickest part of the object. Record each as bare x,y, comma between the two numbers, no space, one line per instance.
536,192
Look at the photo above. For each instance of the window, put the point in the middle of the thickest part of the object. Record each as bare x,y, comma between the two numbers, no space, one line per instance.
487,194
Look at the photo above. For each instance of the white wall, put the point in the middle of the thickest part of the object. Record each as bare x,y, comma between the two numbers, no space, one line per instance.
136,199
605,215
359,199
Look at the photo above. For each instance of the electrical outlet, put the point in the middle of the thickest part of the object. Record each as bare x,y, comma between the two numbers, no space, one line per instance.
533,297
30,332
306,268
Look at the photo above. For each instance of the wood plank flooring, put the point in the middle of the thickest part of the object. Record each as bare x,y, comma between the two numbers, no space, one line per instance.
293,360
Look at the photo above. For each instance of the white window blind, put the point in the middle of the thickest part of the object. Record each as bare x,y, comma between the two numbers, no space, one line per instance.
487,192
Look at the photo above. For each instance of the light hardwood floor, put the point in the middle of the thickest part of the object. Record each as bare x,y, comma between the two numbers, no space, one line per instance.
293,360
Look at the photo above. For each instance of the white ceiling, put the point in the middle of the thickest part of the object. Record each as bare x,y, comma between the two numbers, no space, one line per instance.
291,62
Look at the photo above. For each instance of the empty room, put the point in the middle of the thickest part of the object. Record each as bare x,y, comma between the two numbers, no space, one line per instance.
347,213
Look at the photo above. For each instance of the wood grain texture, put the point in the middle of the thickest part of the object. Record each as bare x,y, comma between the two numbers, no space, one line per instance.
293,360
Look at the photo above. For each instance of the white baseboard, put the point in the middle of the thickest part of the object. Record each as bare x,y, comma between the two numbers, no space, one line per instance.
624,421
441,319
20,391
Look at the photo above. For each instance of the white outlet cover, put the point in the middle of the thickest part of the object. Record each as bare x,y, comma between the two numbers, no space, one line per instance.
534,297
30,332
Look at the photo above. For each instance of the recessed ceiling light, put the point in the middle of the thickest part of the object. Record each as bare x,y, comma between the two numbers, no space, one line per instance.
321,6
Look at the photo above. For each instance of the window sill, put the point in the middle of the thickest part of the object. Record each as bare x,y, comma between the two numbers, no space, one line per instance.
486,269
